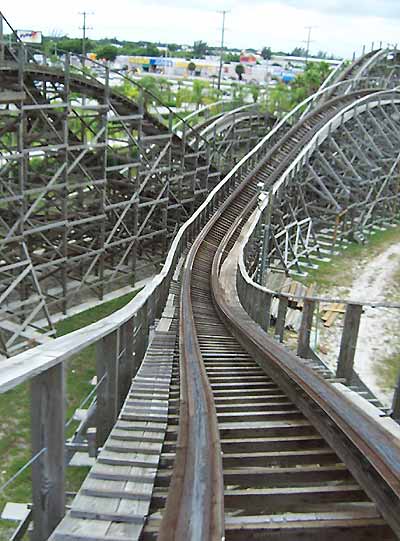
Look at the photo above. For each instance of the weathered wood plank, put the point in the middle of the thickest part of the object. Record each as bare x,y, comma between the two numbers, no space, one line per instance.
48,471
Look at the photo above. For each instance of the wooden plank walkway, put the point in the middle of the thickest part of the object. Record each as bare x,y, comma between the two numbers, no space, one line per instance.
113,502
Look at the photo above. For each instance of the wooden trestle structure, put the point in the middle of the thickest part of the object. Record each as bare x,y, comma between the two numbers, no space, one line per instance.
93,188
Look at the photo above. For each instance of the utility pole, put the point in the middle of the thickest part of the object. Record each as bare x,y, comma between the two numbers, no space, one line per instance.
224,12
308,41
84,28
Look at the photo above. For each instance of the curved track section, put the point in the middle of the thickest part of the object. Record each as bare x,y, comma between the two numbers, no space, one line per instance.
378,68
267,436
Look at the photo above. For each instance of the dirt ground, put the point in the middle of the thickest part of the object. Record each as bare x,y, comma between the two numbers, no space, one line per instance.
374,277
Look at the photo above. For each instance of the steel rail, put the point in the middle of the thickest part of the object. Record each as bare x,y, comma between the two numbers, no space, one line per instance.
197,476
194,507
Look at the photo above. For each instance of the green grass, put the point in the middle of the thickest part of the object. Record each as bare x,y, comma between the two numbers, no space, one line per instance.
15,417
340,270
387,371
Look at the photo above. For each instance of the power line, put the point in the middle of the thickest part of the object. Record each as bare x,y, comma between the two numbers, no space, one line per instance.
223,12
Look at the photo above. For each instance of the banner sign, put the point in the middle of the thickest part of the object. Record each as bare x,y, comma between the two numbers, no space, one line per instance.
160,61
29,36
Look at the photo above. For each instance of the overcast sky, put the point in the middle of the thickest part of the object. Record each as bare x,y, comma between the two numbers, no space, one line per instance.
339,26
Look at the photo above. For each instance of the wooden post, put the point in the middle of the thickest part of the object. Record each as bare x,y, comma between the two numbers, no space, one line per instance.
396,402
125,368
107,392
349,342
48,471
266,312
259,305
303,344
1,39
280,321
141,336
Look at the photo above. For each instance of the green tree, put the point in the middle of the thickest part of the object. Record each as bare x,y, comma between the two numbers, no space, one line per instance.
183,96
74,45
280,100
198,92
191,67
255,92
299,51
199,49
151,89
237,94
231,57
239,70
266,53
309,81
108,52
283,97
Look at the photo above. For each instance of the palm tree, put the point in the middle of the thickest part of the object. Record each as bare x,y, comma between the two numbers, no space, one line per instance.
239,69
191,67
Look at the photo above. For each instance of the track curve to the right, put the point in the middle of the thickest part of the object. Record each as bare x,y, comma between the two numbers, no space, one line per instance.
266,472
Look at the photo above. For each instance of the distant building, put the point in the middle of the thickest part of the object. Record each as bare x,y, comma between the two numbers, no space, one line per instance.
256,69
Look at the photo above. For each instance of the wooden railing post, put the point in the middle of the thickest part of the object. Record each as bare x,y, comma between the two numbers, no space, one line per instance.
107,400
48,470
349,342
141,336
125,369
396,402
266,312
280,320
303,344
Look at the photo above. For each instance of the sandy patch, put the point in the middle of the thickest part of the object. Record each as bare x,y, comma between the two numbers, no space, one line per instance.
380,327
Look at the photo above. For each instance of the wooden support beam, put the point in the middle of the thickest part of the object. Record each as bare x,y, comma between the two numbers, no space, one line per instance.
349,341
303,344
48,470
